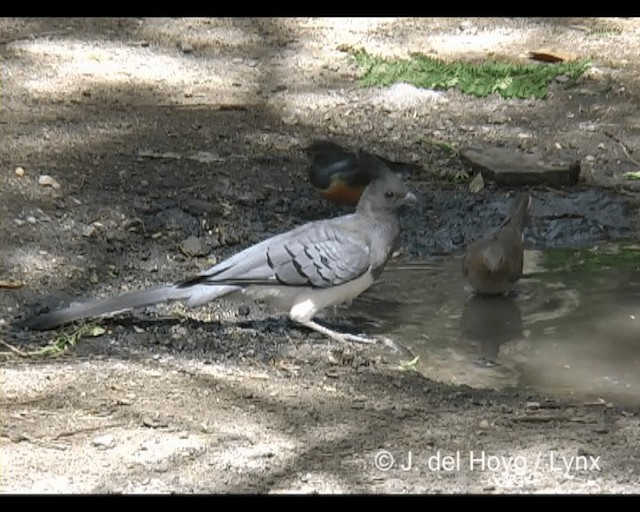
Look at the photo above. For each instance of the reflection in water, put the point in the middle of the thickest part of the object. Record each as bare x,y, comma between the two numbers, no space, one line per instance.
491,321
573,328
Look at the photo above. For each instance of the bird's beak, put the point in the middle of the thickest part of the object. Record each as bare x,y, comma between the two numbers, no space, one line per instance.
410,198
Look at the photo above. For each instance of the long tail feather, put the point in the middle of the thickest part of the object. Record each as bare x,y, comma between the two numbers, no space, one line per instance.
124,303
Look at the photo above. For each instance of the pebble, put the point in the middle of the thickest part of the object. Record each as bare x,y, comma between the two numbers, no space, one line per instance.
105,441
48,181
154,423
484,424
186,48
87,231
195,246
19,171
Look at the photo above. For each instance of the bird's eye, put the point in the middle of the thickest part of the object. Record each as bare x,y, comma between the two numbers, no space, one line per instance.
388,194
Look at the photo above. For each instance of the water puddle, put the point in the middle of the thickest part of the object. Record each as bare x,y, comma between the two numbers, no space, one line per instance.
572,330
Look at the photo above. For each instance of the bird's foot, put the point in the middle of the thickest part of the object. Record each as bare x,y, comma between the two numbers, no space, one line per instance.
343,337
346,337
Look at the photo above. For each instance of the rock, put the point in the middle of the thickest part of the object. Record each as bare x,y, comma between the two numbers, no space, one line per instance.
173,219
106,441
186,48
88,231
402,95
195,246
508,167
147,421
48,181
19,171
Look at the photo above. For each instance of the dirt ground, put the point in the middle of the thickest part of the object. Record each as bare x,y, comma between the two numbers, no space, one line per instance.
157,130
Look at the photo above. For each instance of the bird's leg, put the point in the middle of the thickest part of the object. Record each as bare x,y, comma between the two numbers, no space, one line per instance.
344,337
334,335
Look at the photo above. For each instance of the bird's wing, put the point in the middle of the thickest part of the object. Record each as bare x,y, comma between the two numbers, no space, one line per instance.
319,254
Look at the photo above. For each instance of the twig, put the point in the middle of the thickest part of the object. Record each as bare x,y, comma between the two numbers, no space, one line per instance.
11,283
624,148
14,349
69,433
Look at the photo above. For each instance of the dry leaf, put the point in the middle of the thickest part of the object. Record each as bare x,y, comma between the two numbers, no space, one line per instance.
552,56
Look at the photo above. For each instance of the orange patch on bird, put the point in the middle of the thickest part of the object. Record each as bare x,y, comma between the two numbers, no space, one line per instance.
341,193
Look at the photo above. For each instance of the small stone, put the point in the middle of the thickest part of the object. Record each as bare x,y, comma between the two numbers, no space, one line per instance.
484,424
186,48
87,231
106,441
48,181
465,26
590,158
195,246
154,422
532,405
31,219
19,171
18,222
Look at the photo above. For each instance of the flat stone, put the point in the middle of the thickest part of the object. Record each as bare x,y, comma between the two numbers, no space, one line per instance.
104,441
509,167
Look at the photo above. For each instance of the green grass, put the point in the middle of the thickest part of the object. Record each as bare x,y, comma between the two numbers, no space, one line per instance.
605,32
507,79
584,262
63,341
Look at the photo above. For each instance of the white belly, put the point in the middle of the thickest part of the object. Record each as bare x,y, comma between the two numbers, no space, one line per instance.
304,303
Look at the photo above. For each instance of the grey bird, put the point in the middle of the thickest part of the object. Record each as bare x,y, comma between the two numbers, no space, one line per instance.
493,264
314,266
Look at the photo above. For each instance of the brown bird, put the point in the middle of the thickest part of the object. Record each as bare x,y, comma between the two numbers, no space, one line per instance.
493,264
339,173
